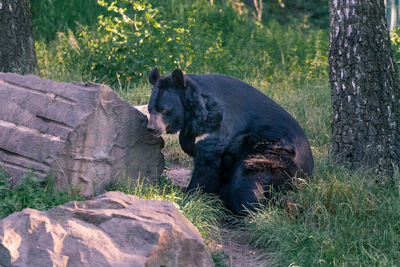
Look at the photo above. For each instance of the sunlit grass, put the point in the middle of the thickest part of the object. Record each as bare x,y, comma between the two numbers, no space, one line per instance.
52,62
135,94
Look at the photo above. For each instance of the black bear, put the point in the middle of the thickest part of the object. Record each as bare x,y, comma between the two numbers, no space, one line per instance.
243,143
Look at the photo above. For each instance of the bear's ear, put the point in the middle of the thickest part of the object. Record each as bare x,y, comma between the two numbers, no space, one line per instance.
154,75
178,78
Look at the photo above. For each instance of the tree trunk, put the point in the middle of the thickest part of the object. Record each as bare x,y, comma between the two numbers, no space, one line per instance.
17,47
393,15
364,86
257,7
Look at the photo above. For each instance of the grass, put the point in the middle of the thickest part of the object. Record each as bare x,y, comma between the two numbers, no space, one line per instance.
203,210
53,61
32,192
217,257
342,218
136,93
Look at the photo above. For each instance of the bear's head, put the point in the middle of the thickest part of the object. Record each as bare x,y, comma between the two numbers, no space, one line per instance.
176,104
165,106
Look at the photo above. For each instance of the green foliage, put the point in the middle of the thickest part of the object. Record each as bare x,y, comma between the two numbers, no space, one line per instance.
126,41
133,36
395,38
217,257
135,93
32,192
61,59
341,218
203,210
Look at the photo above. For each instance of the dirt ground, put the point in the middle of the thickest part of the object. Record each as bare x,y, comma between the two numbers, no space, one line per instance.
233,244
236,249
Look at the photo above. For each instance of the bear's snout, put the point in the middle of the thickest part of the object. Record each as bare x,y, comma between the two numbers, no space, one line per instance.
156,125
151,127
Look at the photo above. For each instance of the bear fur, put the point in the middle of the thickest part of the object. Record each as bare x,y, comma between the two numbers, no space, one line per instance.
243,143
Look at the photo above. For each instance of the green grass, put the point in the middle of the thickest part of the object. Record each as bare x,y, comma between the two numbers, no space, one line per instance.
54,60
203,210
32,192
135,93
341,218
217,257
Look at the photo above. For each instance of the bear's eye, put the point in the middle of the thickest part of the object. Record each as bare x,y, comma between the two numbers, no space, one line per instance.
165,109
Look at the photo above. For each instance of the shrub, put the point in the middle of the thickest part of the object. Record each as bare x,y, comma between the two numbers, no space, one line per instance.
132,36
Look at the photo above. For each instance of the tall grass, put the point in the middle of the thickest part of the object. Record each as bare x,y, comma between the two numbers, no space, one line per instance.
56,63
340,218
135,93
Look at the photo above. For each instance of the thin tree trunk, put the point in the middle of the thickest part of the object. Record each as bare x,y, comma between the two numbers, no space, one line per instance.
364,86
17,47
393,15
257,6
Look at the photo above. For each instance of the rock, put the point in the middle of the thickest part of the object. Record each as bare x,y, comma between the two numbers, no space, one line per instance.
82,133
144,110
113,229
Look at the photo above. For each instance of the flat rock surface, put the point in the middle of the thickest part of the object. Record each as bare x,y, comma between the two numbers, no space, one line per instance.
113,229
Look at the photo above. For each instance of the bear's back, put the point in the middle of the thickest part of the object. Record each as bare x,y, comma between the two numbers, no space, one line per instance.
241,101
246,109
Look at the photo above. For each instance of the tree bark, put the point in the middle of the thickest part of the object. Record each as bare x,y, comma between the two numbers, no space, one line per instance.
364,86
17,47
393,15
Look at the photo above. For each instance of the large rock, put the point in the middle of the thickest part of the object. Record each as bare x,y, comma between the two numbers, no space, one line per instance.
144,110
80,132
113,229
